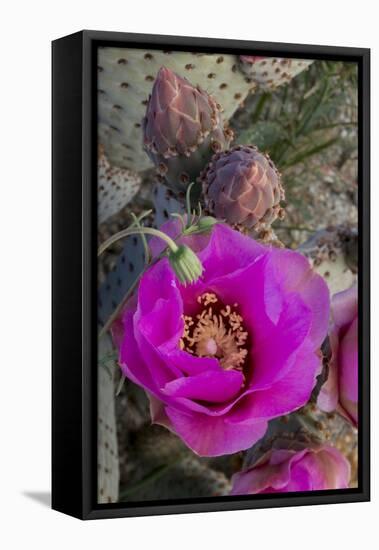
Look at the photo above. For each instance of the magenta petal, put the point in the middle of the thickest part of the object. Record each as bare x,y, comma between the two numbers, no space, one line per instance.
340,391
131,362
213,436
235,287
292,391
348,357
214,386
334,467
272,476
228,251
158,283
300,479
345,306
190,364
160,369
327,399
285,471
271,363
294,273
284,396
163,325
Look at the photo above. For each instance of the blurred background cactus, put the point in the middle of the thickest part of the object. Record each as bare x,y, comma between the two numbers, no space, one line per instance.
260,137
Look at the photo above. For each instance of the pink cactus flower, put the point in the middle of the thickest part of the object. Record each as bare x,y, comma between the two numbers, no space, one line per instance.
340,391
222,356
286,471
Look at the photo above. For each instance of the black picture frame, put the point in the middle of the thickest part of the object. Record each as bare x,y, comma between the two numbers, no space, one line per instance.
74,333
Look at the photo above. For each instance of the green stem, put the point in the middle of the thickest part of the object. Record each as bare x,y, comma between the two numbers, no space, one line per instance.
188,203
308,153
259,108
137,231
127,295
143,237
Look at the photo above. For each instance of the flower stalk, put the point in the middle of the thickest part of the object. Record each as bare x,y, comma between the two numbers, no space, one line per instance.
137,231
183,260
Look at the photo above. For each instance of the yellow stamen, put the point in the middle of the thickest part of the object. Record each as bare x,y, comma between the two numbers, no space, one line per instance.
212,334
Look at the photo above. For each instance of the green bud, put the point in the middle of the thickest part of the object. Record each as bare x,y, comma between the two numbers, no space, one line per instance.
186,264
205,224
202,226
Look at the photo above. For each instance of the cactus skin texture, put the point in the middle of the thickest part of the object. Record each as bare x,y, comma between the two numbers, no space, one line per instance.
159,466
268,73
125,81
107,453
182,129
333,254
243,187
115,187
165,204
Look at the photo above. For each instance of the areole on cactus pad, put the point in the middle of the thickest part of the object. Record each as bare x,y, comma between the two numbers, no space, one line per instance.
268,73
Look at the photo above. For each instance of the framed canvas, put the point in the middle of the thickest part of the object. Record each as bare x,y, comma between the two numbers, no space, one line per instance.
210,275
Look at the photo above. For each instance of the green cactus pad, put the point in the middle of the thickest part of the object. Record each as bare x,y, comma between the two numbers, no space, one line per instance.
165,204
107,453
116,187
160,466
332,253
268,73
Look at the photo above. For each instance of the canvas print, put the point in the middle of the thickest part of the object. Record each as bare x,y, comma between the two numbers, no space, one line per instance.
227,275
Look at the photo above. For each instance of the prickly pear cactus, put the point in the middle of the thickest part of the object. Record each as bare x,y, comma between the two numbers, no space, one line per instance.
115,187
268,73
333,254
128,265
107,451
159,466
165,204
125,80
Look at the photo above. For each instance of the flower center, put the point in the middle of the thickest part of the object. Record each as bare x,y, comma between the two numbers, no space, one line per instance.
216,331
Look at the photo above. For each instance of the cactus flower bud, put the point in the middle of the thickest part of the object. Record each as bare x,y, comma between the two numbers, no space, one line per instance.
203,225
243,187
206,223
186,264
182,129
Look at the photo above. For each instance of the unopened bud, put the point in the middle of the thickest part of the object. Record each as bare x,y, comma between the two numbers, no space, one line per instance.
186,264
